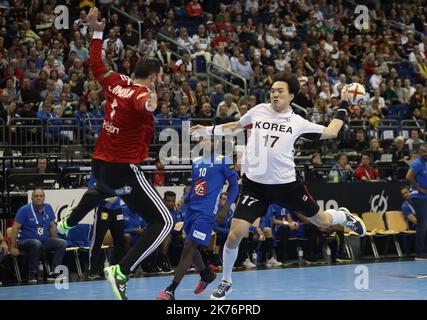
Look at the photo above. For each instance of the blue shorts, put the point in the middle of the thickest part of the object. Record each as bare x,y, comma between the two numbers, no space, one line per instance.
198,226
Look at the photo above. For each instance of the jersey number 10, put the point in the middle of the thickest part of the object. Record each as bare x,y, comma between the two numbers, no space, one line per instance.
202,172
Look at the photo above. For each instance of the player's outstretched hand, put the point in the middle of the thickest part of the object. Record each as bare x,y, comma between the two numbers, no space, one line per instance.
92,18
198,129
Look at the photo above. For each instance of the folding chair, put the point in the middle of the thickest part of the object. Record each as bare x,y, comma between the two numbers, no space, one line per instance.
396,222
375,225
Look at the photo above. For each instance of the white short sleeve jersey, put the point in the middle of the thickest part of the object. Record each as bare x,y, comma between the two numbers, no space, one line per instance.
269,156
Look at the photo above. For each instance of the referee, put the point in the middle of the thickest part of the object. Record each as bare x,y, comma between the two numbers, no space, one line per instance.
109,216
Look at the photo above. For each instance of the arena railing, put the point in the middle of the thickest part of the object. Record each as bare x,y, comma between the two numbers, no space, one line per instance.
211,74
26,134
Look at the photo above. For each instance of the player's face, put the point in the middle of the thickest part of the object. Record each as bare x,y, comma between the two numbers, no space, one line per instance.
170,202
423,153
405,194
280,96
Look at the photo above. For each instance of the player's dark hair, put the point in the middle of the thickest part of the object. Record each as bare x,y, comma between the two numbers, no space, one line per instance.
170,194
144,68
290,79
404,187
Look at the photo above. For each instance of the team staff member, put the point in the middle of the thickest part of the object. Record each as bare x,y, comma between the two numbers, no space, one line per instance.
34,231
108,216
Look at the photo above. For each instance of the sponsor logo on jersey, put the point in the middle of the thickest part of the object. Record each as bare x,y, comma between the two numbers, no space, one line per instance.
200,188
121,92
199,235
104,216
273,127
123,191
108,73
110,128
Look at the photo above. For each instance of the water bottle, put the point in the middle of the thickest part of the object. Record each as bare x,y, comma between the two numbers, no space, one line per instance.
334,176
300,257
254,257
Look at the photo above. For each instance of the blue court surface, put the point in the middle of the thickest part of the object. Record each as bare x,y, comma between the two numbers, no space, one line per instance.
385,281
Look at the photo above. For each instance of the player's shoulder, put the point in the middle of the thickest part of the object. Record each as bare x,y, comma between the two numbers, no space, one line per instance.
261,108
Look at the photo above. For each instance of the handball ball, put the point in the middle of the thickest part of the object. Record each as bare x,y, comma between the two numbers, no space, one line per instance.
354,93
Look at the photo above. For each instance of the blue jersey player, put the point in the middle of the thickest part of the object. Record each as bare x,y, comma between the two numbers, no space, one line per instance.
209,174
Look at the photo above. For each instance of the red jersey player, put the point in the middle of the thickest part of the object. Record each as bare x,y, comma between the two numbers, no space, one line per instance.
123,143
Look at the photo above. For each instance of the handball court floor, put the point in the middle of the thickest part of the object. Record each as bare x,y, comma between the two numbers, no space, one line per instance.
387,281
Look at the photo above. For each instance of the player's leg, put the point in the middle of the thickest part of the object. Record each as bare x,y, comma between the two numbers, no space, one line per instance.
88,202
206,274
180,271
198,229
143,199
298,198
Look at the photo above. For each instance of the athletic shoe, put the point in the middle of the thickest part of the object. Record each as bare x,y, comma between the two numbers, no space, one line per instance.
221,292
117,280
55,275
420,258
353,222
202,285
248,264
94,276
62,226
273,263
165,295
165,269
32,278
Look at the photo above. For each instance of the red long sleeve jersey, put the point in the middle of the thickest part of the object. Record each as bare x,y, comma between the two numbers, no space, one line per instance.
127,129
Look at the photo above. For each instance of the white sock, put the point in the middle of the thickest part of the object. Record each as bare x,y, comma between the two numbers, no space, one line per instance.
338,217
229,256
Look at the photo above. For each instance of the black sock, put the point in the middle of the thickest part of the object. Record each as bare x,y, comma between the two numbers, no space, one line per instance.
172,287
204,274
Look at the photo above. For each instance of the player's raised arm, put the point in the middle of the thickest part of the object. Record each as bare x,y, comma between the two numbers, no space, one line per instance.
334,127
96,65
226,129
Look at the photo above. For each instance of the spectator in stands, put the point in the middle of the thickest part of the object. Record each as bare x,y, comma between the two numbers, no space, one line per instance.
360,143
231,107
87,129
364,171
53,64
165,57
186,61
400,151
222,59
168,29
217,96
82,53
375,151
408,208
418,180
222,116
34,231
414,141
28,93
51,91
243,67
341,171
76,84
148,43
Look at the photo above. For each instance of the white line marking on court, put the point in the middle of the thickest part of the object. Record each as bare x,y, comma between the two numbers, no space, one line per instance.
297,289
344,290
322,289
387,290
277,289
